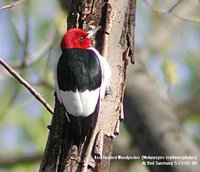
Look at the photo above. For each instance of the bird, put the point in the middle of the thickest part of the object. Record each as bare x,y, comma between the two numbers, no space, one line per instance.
82,78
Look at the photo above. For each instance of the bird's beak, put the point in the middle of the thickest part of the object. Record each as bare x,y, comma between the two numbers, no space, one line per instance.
92,32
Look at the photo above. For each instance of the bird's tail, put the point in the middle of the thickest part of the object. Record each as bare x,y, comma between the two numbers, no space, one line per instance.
76,131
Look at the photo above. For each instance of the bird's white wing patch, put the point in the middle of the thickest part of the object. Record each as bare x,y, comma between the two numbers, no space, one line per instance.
72,102
106,72
80,103
89,101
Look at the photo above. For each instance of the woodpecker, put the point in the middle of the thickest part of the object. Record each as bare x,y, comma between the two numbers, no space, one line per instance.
82,78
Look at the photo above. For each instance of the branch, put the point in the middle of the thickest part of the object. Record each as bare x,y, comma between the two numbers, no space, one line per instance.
12,161
27,85
162,11
13,4
170,11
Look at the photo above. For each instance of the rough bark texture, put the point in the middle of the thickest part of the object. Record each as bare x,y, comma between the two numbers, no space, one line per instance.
154,125
115,42
55,139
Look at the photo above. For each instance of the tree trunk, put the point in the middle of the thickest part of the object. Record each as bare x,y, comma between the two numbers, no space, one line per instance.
115,41
155,127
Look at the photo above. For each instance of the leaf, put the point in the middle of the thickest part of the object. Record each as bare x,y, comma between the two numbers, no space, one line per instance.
170,70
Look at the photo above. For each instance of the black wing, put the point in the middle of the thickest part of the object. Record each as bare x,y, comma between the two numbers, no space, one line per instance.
78,69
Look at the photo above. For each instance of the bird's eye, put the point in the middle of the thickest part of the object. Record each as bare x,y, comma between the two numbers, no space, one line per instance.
82,38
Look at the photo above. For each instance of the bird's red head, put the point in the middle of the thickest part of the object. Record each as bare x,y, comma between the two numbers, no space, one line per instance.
75,38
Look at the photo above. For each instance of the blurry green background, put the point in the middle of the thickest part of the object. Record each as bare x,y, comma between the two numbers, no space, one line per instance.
168,44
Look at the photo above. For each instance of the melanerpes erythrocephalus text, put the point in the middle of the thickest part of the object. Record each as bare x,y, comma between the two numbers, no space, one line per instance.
82,78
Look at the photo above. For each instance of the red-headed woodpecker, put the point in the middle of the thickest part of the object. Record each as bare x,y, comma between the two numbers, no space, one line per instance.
82,78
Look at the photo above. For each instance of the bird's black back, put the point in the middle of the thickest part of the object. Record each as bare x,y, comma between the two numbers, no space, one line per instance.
78,69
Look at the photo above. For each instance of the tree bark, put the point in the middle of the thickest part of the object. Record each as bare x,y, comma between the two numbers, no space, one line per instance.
154,126
115,42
